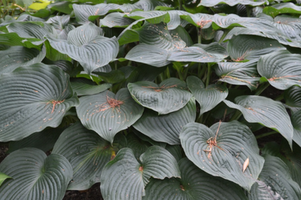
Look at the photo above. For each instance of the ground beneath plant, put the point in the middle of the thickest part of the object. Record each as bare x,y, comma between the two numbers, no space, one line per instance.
92,194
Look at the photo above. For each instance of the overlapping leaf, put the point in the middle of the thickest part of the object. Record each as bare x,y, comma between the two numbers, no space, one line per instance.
281,69
87,152
82,87
211,3
247,47
275,182
125,178
156,43
238,73
208,97
16,56
107,113
35,176
270,113
166,128
3,177
296,121
194,184
169,96
33,98
282,8
86,45
292,96
222,149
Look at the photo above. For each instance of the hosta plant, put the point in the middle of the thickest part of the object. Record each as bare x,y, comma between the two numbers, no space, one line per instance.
153,99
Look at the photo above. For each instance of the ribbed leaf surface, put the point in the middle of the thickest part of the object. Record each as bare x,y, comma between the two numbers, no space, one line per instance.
211,3
296,121
194,184
86,88
85,45
275,182
247,47
292,96
258,109
107,113
222,149
238,73
35,176
166,128
125,178
281,69
171,95
115,19
33,98
16,56
87,152
208,97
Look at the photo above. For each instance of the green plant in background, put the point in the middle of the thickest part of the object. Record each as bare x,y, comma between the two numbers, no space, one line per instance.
153,99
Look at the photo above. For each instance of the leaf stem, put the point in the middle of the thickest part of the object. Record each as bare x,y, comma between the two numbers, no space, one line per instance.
208,75
199,30
266,134
236,115
180,4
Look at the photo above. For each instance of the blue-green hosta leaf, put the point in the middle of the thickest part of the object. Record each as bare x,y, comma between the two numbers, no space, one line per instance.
238,73
17,56
34,97
199,19
281,8
208,97
150,5
292,96
155,45
194,184
125,178
43,140
3,177
87,153
222,149
270,113
31,30
107,113
153,17
281,69
83,12
247,47
211,3
115,19
275,182
289,25
169,96
59,22
166,128
35,176
85,45
82,87
175,19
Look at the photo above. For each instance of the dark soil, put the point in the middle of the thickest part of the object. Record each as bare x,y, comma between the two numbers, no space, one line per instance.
92,194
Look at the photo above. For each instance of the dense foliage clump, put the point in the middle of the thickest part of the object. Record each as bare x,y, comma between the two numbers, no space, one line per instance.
154,99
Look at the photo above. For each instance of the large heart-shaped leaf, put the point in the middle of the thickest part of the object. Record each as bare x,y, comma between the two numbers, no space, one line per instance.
166,128
281,8
281,69
115,19
222,150
16,56
247,47
156,44
33,98
199,53
270,113
35,176
87,153
275,182
125,178
238,73
207,97
107,113
169,96
194,184
85,45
